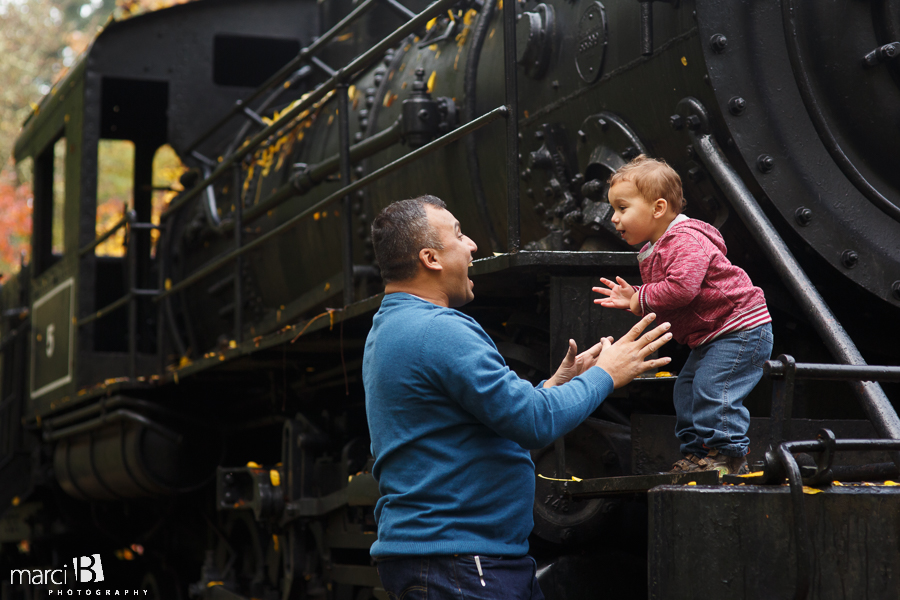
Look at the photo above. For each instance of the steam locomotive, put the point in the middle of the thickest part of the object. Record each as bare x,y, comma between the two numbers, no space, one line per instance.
190,411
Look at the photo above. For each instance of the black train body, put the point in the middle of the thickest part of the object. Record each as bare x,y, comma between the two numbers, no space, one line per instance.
127,420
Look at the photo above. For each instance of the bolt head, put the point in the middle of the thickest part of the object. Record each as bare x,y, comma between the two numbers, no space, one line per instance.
803,216
849,258
693,122
582,135
718,42
677,122
737,105
889,50
765,163
538,135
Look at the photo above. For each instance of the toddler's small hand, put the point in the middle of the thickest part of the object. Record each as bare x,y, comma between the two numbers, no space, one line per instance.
618,294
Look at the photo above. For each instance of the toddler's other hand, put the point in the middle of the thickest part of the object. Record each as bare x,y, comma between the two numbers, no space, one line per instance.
618,294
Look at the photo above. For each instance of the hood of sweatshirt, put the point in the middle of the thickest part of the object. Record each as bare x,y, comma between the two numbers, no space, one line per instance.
705,228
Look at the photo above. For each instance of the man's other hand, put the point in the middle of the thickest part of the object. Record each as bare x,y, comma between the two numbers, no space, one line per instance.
575,364
624,360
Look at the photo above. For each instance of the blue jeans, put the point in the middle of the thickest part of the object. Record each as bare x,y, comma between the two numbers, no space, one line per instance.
710,392
456,578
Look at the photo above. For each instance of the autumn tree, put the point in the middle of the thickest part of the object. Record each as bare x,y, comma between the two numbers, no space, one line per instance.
40,41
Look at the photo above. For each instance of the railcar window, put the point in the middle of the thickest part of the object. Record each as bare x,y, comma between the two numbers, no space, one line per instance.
59,196
18,241
167,172
48,218
248,61
115,190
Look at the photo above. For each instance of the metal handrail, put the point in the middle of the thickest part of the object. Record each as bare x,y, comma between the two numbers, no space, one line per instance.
121,223
343,75
288,190
827,445
778,369
510,72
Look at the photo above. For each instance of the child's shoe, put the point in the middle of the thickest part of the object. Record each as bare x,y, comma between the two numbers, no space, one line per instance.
726,465
690,462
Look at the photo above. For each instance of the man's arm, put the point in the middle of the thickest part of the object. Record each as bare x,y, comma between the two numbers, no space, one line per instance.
475,376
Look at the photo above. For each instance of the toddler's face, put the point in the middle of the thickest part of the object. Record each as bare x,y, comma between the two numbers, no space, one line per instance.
633,215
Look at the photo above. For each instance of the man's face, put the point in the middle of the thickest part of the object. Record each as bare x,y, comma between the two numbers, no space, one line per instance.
454,258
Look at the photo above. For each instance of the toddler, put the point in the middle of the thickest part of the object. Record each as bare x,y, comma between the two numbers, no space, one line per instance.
712,305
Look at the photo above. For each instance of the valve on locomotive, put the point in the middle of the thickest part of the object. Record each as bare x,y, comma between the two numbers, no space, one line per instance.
424,118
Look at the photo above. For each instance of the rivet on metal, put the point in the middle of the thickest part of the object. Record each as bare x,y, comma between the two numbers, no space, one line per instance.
737,105
803,216
718,42
849,258
765,163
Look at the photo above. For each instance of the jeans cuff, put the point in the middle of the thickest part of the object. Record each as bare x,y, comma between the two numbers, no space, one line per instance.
733,451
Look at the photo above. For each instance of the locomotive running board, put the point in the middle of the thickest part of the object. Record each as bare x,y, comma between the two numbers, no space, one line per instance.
634,484
874,402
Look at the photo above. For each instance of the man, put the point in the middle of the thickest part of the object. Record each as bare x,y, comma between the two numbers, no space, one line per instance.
451,424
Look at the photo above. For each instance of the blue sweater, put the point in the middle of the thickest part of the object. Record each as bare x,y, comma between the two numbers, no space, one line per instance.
450,425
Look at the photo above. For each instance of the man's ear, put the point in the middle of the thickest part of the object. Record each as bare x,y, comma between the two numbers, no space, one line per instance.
660,207
429,259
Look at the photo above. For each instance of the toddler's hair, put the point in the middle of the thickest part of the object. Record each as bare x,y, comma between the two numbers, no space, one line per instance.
654,179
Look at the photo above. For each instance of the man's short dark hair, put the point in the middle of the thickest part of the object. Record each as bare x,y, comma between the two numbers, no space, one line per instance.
399,232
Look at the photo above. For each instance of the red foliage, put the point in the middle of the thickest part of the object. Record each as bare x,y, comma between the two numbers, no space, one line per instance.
15,222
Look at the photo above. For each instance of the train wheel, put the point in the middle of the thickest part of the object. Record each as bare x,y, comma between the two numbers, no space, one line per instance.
241,557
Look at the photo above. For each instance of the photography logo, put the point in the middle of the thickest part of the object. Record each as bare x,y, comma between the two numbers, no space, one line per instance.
88,569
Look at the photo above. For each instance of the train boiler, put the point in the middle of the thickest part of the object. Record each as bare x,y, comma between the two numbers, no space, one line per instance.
191,408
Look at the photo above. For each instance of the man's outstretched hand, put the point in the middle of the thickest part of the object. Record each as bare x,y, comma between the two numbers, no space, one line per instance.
624,359
575,364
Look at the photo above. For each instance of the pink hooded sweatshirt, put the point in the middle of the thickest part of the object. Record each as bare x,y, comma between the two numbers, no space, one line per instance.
690,284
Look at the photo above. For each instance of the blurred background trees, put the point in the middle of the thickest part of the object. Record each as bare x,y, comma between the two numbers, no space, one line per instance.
39,41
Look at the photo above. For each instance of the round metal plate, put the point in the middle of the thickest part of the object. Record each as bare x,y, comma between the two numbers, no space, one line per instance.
592,38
